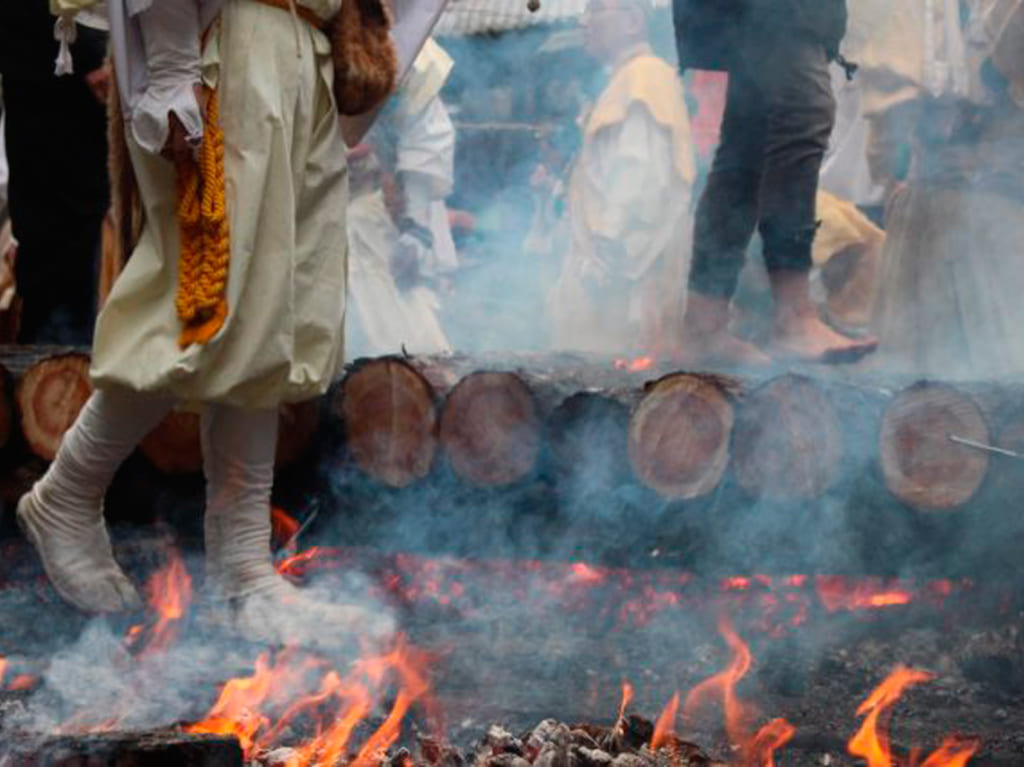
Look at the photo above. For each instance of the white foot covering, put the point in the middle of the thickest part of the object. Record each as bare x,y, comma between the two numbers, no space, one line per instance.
62,516
247,594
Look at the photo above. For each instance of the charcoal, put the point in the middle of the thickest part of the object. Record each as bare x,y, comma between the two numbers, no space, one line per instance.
595,757
632,760
583,739
152,749
279,757
548,731
436,753
501,741
634,731
506,760
553,755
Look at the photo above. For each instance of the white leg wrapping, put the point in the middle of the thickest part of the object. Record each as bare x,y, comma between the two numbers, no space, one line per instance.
238,455
62,516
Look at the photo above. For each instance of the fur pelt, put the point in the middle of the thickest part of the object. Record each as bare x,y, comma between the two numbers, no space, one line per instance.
365,61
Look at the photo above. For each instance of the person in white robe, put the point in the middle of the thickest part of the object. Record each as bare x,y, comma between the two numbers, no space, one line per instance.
394,265
622,285
276,336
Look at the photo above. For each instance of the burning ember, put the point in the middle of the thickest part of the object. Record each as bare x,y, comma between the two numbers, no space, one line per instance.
638,365
16,683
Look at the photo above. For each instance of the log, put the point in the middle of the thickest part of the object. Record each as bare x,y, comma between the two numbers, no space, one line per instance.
51,394
155,749
175,447
922,466
491,429
588,441
679,435
388,413
788,442
297,425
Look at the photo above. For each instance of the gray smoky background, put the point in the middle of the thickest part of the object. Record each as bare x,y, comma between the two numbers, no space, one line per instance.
943,181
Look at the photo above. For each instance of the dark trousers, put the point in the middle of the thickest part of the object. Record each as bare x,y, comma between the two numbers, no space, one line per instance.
778,118
58,195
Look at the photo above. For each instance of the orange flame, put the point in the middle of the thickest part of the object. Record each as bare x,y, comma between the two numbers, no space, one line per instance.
627,698
284,527
18,683
872,744
339,706
638,365
836,594
293,565
666,723
168,594
756,750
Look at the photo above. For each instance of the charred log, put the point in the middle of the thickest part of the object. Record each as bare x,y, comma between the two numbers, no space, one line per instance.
155,749
788,442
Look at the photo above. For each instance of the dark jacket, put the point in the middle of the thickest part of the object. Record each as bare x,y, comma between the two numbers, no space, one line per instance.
710,32
28,49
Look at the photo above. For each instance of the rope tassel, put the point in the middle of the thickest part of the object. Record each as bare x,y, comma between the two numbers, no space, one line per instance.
201,300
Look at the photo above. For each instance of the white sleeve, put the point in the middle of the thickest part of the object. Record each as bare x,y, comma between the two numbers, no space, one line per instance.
426,150
633,193
170,35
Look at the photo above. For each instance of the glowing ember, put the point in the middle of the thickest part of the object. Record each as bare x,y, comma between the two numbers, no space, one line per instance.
638,365
871,742
17,683
837,593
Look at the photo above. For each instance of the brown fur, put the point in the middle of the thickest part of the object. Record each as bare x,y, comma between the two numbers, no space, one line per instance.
365,61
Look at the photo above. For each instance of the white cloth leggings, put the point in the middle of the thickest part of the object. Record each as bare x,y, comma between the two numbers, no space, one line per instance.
238,460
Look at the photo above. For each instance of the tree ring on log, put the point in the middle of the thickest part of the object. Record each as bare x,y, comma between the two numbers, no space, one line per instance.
491,429
52,393
679,436
390,420
174,446
788,443
921,465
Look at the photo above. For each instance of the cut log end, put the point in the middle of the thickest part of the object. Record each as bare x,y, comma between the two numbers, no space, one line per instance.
390,421
52,393
491,429
174,446
922,466
788,443
679,436
588,440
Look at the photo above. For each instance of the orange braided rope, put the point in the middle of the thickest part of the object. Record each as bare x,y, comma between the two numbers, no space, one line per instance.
201,299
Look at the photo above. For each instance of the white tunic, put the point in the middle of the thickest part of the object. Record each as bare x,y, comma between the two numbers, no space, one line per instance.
286,192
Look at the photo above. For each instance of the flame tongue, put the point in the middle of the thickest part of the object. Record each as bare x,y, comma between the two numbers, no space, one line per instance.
872,744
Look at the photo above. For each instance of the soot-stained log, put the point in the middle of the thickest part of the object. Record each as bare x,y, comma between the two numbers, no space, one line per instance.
174,447
155,749
788,442
588,440
679,435
52,392
491,429
389,417
922,466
